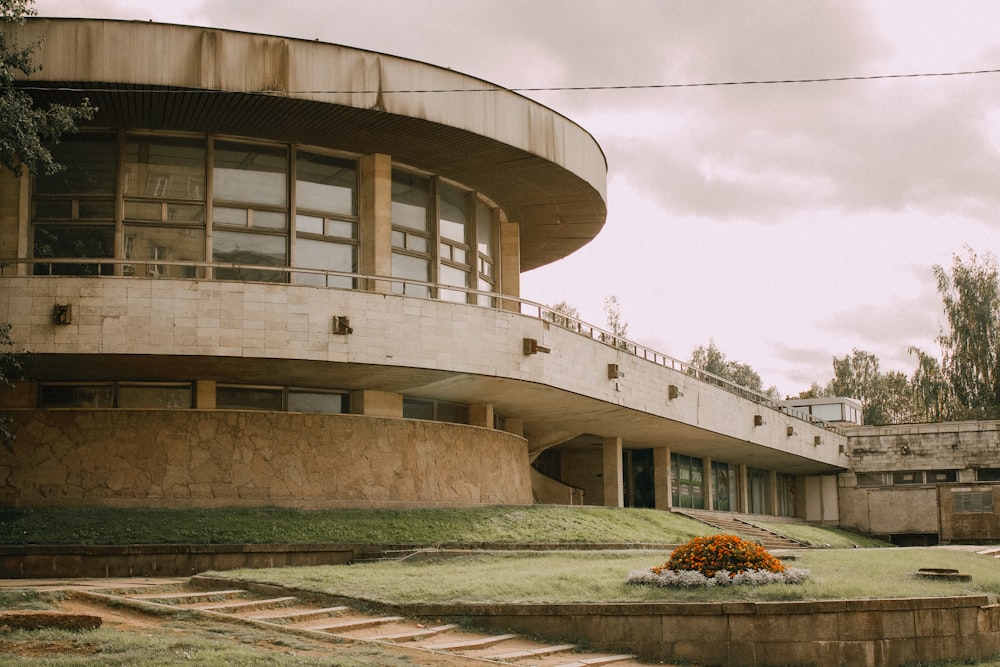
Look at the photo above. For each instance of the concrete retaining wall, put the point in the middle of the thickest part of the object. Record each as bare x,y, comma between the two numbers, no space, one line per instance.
877,633
218,458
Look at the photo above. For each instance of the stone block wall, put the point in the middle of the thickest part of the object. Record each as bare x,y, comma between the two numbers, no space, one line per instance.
196,458
876,633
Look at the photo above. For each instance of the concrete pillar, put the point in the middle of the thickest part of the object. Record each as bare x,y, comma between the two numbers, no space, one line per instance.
707,485
743,489
772,482
510,263
614,488
662,493
376,403
204,394
481,415
375,214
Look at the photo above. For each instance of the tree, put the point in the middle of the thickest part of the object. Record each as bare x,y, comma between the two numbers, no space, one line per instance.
563,315
712,360
931,391
971,346
25,129
616,324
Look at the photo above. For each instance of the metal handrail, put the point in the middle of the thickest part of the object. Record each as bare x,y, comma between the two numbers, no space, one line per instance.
525,307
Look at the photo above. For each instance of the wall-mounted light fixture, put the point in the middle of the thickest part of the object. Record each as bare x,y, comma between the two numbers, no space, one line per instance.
62,313
672,392
614,372
342,325
904,450
758,420
531,346
817,442
790,431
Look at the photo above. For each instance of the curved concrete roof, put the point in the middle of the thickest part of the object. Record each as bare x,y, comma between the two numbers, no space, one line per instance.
548,173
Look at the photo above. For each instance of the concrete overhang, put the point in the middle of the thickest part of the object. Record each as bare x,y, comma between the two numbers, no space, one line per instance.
545,410
545,171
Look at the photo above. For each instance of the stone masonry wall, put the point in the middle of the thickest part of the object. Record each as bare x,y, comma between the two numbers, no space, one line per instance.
193,458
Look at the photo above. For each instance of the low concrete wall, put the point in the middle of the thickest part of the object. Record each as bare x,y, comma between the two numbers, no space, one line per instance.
876,633
161,560
218,458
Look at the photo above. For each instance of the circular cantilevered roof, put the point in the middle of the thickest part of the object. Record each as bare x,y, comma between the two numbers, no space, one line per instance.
545,171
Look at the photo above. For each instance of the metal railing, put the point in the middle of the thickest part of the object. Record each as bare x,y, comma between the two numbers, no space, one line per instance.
195,270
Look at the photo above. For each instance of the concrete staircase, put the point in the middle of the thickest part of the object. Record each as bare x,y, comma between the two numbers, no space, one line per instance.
294,615
732,524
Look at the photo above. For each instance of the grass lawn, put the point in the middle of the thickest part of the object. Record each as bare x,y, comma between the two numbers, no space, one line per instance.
484,525
582,577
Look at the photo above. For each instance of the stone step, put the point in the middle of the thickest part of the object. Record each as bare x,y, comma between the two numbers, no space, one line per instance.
480,642
351,624
415,633
245,605
297,615
175,598
597,660
531,652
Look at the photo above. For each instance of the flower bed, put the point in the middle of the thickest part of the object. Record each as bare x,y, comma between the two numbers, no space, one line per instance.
718,560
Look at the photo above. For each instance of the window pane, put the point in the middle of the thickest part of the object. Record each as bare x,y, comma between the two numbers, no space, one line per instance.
254,174
248,249
229,216
417,243
453,216
194,213
145,243
325,402
67,396
154,396
314,254
453,413
325,183
91,166
165,167
410,200
74,240
308,224
96,209
449,275
484,229
53,209
270,220
413,268
342,228
151,211
247,398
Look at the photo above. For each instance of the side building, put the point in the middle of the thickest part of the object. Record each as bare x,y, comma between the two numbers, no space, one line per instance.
274,274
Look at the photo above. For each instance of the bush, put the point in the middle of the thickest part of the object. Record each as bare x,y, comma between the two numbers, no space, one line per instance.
716,553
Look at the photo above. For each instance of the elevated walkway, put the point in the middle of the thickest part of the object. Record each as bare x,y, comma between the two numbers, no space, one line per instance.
741,525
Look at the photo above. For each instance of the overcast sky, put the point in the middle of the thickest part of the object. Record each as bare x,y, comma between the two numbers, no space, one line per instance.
788,222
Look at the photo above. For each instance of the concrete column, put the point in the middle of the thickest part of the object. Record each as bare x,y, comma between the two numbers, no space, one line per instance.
204,394
772,482
743,489
376,403
707,485
375,213
510,263
481,415
614,488
662,493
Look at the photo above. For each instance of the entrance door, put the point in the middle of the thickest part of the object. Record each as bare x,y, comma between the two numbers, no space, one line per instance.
637,471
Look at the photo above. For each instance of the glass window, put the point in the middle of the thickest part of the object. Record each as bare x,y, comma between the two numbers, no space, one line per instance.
453,213
988,475
165,167
168,396
410,200
74,240
911,477
248,398
415,408
250,250
449,275
76,396
408,267
317,401
91,166
484,229
144,245
874,479
325,183
326,255
251,174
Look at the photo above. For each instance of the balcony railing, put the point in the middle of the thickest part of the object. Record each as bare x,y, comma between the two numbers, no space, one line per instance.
190,270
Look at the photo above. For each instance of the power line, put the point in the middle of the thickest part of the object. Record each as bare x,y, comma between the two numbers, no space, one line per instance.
497,89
